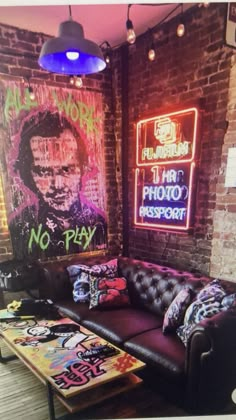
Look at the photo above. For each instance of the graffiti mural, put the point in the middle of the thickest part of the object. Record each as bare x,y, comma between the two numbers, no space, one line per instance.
55,164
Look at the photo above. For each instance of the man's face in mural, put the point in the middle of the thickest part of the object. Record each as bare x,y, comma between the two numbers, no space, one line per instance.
55,169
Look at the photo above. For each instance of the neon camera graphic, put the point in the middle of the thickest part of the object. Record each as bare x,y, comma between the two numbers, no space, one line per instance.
166,131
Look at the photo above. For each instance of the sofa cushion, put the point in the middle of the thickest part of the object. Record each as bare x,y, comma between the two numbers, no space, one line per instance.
120,324
175,313
229,301
105,292
73,310
213,290
80,281
165,352
207,304
196,312
80,275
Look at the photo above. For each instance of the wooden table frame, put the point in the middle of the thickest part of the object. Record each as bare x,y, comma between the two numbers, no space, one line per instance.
79,399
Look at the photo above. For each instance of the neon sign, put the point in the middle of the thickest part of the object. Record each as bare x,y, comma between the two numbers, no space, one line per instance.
164,200
169,137
165,152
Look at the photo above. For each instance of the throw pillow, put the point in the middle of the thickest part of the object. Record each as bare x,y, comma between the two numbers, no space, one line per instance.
175,313
108,292
80,277
104,270
80,281
229,301
207,304
214,290
196,312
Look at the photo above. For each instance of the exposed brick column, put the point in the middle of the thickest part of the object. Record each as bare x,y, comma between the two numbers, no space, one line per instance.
223,258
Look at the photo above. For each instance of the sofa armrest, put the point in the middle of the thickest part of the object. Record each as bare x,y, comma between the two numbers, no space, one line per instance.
211,363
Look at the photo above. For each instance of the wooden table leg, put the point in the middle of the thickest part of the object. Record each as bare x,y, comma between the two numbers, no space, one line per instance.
2,304
4,359
51,407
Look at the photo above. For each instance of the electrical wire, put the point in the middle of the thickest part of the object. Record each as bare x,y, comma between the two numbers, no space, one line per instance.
31,55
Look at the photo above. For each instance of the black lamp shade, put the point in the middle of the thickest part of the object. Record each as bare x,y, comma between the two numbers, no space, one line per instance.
54,53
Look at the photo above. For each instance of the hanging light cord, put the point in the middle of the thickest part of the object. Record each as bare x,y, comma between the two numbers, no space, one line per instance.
70,15
129,6
30,55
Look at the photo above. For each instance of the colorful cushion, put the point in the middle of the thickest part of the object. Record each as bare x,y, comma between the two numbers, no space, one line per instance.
196,312
212,290
175,313
207,304
229,301
104,270
80,277
108,292
80,281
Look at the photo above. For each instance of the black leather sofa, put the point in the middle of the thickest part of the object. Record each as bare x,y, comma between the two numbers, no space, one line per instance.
200,376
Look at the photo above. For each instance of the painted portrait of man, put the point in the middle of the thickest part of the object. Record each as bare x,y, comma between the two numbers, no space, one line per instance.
51,162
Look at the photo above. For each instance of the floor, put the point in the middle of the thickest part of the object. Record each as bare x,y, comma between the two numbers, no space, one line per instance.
23,397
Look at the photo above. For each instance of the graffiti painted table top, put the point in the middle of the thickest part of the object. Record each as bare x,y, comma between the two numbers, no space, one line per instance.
67,355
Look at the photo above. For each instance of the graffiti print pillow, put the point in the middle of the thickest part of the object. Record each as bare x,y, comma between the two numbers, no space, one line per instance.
175,313
79,277
229,301
214,290
108,292
104,270
207,304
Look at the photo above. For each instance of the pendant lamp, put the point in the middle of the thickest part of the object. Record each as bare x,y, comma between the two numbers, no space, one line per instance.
70,53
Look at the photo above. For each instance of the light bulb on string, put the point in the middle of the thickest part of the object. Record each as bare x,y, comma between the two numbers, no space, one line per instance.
78,82
205,4
131,36
107,52
180,30
151,53
107,58
30,92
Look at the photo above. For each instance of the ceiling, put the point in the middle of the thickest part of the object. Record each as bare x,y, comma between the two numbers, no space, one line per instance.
101,22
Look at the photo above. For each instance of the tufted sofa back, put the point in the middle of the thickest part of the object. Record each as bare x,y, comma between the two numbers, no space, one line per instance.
153,286
54,282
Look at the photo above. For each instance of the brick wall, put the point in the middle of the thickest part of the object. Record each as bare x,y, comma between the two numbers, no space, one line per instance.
223,261
194,69
187,71
16,43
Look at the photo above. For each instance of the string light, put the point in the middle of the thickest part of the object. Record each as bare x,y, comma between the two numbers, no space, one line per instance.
107,58
76,81
31,93
151,53
131,37
204,4
181,28
107,51
29,88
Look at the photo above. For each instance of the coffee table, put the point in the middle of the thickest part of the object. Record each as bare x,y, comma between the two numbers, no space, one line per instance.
77,366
